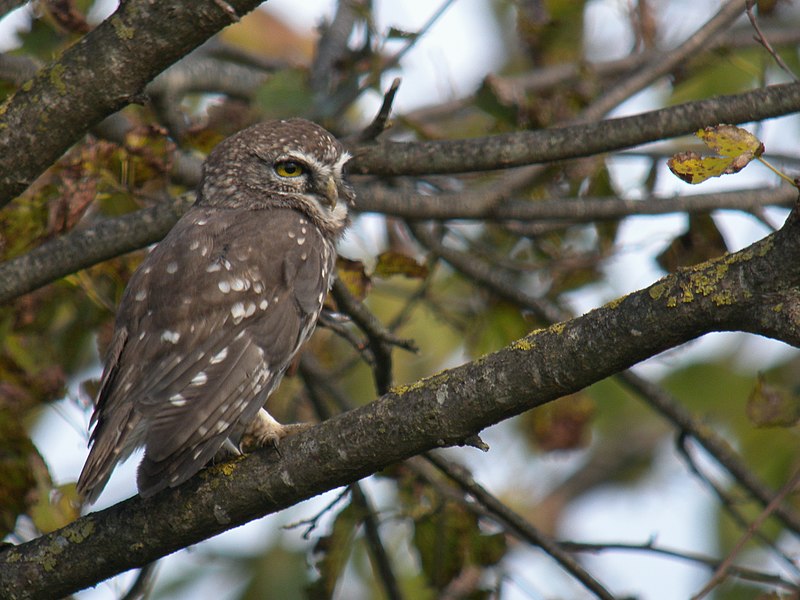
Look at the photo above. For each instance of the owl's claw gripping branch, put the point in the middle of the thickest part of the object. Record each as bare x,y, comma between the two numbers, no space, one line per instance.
265,431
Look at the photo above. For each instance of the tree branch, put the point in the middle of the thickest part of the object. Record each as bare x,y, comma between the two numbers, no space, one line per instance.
438,411
548,145
97,76
82,248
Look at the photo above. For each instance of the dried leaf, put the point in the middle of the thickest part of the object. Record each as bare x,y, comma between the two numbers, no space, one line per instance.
563,425
770,406
354,276
395,263
701,242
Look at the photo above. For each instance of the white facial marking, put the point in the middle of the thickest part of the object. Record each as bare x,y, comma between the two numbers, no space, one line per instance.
170,336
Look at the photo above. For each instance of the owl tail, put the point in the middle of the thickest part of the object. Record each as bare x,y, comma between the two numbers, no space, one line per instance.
110,444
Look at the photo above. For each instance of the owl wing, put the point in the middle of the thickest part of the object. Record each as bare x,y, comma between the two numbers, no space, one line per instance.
212,318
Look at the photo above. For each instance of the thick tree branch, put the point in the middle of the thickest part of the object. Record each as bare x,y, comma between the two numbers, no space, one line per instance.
82,248
548,145
97,76
438,411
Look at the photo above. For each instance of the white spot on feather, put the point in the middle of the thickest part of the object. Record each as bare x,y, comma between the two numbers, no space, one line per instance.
199,379
237,312
172,267
250,310
170,336
140,295
219,356
224,286
263,304
213,267
177,400
301,241
194,245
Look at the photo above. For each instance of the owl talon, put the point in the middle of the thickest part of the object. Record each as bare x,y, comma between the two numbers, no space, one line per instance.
266,431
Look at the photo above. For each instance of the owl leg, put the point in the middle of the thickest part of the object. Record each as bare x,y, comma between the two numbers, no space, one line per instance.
264,430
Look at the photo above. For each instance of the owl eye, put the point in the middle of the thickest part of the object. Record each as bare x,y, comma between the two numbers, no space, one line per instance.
289,168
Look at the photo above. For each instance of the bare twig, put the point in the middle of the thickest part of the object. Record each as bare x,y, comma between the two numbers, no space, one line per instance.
741,572
762,39
516,524
664,62
725,566
380,122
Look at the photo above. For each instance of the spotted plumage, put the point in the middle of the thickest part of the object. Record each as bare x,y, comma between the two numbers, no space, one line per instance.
216,312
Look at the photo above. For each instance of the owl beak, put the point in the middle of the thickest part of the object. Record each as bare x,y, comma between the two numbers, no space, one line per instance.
331,192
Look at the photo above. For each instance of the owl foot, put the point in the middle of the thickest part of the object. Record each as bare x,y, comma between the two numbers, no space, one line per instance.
266,431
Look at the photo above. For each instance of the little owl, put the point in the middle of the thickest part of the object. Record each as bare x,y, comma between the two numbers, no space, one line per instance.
217,311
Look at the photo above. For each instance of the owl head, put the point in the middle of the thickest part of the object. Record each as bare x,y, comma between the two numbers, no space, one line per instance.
284,163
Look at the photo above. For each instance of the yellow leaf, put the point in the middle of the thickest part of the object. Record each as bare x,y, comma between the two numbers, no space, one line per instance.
732,141
736,148
693,168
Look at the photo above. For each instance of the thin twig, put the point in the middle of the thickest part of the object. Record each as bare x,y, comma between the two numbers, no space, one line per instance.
728,504
375,544
726,564
664,63
741,572
517,524
381,121
762,39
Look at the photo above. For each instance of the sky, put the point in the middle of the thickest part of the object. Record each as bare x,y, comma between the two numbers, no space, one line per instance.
451,61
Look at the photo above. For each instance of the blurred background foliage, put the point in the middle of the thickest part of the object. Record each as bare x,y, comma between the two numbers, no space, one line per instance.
604,437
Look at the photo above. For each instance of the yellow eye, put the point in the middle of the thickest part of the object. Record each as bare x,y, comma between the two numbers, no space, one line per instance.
289,168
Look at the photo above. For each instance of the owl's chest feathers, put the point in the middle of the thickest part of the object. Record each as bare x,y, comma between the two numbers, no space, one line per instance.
231,263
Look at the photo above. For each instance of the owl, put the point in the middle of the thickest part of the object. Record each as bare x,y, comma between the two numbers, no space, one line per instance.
216,312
